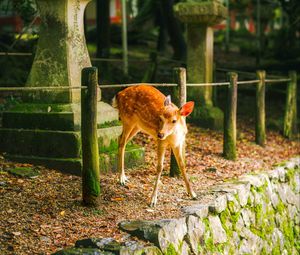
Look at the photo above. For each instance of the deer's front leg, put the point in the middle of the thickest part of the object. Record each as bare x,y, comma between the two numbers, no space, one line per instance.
161,149
178,152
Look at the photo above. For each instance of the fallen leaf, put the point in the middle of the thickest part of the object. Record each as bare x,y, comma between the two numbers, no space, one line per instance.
114,199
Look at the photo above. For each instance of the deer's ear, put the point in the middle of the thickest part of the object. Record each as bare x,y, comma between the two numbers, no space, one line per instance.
167,101
187,109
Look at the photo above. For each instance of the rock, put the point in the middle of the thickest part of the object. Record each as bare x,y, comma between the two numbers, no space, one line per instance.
254,180
243,193
292,211
172,235
150,250
277,237
293,163
285,193
3,184
133,245
218,233
251,199
146,230
220,204
279,173
239,224
200,211
290,196
227,188
247,217
28,172
244,248
274,200
255,243
233,204
82,251
297,183
258,198
195,232
236,239
105,244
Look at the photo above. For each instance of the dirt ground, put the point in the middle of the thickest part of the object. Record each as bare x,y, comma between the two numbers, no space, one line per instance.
43,214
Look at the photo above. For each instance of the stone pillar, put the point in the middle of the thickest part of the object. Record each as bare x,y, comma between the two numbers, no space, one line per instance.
200,16
61,51
45,128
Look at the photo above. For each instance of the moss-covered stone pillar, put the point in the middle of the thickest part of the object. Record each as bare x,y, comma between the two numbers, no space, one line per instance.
61,51
200,16
45,128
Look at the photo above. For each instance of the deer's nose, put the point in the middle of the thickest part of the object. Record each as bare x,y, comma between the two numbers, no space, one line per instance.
160,135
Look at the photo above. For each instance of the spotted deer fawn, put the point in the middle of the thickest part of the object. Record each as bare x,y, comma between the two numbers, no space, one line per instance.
144,108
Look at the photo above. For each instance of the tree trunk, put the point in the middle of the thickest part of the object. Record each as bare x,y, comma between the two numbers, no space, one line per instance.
174,30
103,36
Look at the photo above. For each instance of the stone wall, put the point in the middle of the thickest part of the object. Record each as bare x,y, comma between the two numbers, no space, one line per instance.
255,214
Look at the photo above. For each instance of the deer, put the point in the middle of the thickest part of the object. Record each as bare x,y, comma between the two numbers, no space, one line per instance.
144,108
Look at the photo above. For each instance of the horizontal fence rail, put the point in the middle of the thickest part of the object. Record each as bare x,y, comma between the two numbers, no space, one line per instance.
90,157
39,88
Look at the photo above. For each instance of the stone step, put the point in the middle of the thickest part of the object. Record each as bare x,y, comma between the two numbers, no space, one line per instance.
62,121
134,156
65,165
40,143
49,143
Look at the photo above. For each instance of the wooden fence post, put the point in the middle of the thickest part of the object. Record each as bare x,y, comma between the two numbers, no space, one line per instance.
180,94
290,116
90,152
229,143
260,126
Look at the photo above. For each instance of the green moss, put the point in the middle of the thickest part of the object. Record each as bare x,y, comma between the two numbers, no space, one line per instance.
208,241
234,219
263,251
262,188
287,228
258,232
171,250
276,249
209,244
200,249
290,176
24,171
108,124
224,217
258,214
58,144
220,247
41,107
280,207
208,117
230,205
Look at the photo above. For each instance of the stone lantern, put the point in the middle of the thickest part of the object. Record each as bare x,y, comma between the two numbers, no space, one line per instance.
200,16
45,127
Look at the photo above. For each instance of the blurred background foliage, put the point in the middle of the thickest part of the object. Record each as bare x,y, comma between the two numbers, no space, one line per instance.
157,39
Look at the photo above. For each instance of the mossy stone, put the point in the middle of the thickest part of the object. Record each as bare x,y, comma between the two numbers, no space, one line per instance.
24,171
208,117
82,251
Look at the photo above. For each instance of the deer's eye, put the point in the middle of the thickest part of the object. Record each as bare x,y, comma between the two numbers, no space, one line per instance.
173,121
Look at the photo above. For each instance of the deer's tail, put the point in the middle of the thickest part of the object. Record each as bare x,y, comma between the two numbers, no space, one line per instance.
115,102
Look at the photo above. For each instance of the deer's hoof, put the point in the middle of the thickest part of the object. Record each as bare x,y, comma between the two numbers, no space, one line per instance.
123,180
194,195
153,202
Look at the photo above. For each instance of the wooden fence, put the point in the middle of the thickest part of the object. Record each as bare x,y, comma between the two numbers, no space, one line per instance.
90,157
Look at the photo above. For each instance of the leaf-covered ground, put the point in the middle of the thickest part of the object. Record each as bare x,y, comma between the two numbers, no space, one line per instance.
43,214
